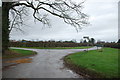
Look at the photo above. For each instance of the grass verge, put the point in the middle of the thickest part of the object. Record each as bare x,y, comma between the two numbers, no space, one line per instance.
94,64
13,53
83,47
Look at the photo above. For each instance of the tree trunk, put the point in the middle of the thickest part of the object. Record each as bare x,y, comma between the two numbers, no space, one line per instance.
5,26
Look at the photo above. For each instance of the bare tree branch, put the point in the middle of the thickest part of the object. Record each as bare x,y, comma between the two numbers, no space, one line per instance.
68,10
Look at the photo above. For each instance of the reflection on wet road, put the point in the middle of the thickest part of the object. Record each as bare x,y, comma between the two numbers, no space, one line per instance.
47,63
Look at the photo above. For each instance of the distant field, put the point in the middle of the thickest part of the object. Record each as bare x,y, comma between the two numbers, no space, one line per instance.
83,47
104,63
12,53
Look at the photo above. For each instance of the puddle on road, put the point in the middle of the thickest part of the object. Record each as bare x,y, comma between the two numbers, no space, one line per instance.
70,71
31,57
7,67
25,60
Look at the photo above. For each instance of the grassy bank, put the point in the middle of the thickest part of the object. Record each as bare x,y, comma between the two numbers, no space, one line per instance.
96,63
83,47
13,53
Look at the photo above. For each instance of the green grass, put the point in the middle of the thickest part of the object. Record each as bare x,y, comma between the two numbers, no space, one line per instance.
13,53
83,47
104,63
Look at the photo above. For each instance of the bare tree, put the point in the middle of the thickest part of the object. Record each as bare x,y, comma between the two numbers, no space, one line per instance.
16,18
68,10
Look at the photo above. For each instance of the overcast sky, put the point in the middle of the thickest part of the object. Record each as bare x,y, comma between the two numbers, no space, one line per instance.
103,17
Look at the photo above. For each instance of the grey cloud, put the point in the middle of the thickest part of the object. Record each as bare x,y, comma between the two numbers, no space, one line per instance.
103,19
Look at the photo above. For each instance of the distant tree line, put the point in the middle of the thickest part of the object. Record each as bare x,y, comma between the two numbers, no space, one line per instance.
110,44
24,43
53,43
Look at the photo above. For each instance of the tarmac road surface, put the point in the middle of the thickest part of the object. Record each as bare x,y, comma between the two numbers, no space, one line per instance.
47,63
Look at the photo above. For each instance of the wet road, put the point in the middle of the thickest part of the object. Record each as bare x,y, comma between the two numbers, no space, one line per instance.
47,63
